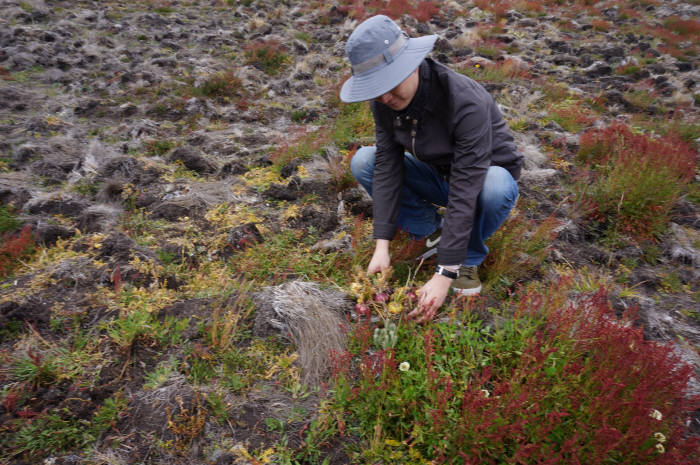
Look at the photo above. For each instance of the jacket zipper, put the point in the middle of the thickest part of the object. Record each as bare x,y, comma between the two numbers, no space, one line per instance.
413,137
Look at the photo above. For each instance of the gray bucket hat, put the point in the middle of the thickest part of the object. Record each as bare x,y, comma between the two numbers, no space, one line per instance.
381,56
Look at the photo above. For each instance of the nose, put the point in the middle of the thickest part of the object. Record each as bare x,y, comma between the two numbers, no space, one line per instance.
384,98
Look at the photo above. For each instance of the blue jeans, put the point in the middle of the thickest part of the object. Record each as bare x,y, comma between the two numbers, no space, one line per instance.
424,188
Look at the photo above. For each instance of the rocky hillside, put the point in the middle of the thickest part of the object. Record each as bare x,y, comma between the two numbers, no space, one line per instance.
165,165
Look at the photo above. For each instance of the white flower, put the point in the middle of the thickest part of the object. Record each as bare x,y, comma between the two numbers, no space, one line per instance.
404,366
655,414
660,437
485,392
660,448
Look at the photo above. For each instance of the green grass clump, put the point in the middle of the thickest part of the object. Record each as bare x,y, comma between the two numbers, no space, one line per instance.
223,85
554,92
641,99
633,180
572,114
8,221
52,432
504,71
287,255
158,147
142,325
517,250
62,431
300,146
629,70
85,187
354,123
268,56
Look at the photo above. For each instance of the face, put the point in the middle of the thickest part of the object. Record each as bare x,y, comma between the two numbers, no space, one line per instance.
400,96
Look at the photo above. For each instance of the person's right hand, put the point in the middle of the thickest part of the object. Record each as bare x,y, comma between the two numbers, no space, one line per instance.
380,259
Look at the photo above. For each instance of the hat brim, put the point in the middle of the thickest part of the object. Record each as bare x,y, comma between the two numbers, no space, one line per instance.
370,85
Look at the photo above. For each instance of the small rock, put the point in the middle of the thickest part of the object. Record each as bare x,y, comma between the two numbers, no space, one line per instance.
232,168
171,211
682,248
612,13
192,159
47,234
598,69
532,156
554,126
613,52
538,175
473,61
22,60
86,107
568,231
56,205
291,191
684,66
300,47
559,46
565,59
241,238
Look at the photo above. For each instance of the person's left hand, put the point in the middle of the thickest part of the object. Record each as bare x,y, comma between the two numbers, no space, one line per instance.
431,296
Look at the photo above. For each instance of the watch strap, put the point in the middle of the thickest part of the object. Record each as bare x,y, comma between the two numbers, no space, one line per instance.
445,272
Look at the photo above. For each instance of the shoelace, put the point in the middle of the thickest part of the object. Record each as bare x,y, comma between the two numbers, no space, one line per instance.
468,271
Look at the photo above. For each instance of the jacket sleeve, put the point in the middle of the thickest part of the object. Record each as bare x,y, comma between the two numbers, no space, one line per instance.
473,144
388,176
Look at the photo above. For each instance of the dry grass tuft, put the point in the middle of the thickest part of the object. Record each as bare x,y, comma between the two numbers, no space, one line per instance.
309,317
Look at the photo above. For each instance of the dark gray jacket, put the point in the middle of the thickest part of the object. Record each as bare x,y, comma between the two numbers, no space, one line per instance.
455,126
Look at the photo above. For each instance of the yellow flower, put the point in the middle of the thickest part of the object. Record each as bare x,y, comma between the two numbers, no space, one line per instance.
394,308
356,288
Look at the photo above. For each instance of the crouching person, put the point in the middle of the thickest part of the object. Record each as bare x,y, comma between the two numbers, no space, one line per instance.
440,141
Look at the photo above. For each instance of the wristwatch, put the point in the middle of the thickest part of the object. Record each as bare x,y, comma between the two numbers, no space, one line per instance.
445,272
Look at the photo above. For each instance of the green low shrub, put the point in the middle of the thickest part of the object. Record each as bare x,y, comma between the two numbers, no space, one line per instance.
632,181
555,383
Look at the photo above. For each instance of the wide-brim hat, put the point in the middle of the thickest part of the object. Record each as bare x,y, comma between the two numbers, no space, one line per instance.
381,56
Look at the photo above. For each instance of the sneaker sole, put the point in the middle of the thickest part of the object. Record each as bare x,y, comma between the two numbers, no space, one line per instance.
468,292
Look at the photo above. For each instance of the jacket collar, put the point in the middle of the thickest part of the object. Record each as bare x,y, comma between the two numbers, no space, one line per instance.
426,78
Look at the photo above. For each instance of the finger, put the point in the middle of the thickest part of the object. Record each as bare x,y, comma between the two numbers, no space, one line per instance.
426,309
420,307
425,315
428,316
418,310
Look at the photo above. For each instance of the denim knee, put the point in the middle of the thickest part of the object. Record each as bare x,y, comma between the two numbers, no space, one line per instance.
362,164
499,187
